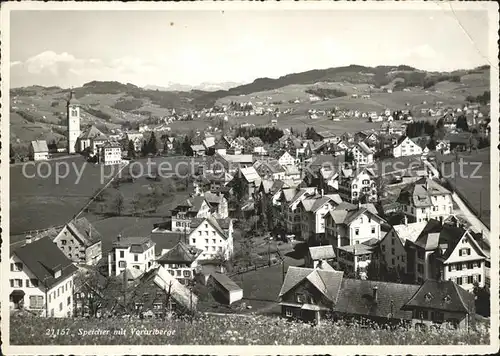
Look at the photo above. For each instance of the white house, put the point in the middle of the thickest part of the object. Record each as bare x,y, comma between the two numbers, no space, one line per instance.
356,183
443,146
426,199
41,279
185,211
181,261
38,150
346,227
80,242
313,210
363,155
406,147
110,153
354,259
392,247
137,138
131,253
286,159
446,252
213,236
85,139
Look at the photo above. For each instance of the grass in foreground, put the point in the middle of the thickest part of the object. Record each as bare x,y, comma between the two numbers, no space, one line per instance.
228,330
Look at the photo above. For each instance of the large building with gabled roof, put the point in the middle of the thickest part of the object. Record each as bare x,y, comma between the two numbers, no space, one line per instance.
41,279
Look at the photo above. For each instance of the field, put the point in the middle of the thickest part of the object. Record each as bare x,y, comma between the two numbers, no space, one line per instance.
45,200
230,330
473,186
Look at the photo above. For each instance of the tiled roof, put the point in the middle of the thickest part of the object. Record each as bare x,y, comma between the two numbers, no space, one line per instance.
356,298
225,282
198,148
193,203
322,252
357,249
39,146
166,240
92,132
364,148
180,253
84,231
326,281
215,223
441,295
43,258
409,231
250,174
136,244
166,282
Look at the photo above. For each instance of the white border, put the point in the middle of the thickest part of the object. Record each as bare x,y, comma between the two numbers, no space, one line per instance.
491,7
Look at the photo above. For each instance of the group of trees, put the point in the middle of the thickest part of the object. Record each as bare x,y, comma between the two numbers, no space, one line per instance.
420,128
235,106
311,133
326,93
266,134
482,99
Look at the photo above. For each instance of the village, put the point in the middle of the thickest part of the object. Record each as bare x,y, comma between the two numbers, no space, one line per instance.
307,225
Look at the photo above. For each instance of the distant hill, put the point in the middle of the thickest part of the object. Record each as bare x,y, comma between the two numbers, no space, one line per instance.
206,86
111,104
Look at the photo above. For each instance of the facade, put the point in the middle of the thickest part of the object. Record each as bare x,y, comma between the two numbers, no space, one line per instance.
218,204
426,199
286,159
441,302
269,169
225,287
181,261
41,280
73,117
191,208
391,249
363,155
312,210
406,147
354,259
131,252
357,184
80,242
309,294
352,226
38,150
137,138
110,153
213,236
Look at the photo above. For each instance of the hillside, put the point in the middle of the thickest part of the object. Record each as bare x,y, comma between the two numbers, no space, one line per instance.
39,112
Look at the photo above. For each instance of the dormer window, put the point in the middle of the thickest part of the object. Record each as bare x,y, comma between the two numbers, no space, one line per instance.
57,274
428,297
447,299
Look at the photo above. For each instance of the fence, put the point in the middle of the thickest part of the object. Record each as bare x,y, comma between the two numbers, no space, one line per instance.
242,270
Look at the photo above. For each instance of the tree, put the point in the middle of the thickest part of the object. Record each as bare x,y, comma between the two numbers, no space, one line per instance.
348,157
186,146
131,149
432,144
97,293
152,144
117,204
482,300
461,123
144,149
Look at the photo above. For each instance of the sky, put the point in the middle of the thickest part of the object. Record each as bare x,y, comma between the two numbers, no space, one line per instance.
70,48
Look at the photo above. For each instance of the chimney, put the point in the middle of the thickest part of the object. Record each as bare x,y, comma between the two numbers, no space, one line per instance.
119,237
321,190
375,289
28,239
406,220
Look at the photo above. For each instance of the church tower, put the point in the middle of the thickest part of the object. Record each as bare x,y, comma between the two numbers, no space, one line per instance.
73,116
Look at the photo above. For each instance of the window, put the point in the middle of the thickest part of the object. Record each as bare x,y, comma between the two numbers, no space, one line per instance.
18,283
393,262
459,281
187,273
60,306
122,254
356,231
392,241
27,283
194,240
52,312
300,298
36,302
199,233
402,258
136,258
16,267
171,272
373,229
206,241
420,268
393,251
470,265
477,264
288,312
383,248
69,300
470,280
459,266
447,299
121,264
